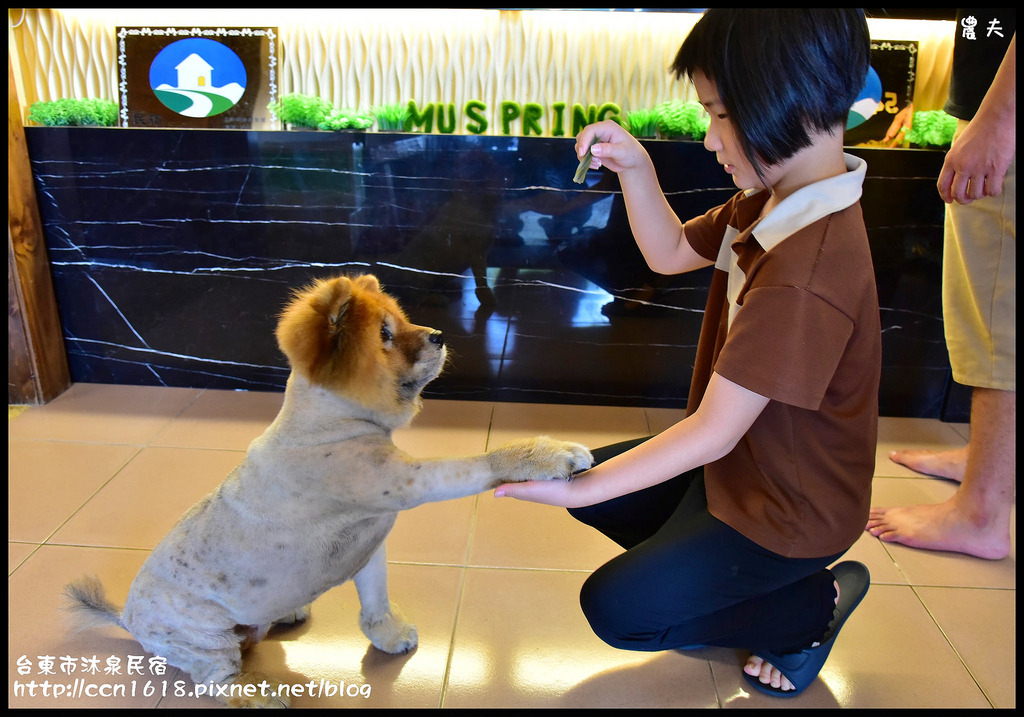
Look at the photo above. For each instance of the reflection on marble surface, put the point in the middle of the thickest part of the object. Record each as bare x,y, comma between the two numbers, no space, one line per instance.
173,250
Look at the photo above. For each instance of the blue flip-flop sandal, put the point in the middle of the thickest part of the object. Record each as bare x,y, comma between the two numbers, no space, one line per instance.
802,668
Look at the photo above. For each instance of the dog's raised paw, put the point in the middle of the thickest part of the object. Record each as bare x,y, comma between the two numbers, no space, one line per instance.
540,458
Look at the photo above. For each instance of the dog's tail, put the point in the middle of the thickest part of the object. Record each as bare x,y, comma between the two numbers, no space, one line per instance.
88,605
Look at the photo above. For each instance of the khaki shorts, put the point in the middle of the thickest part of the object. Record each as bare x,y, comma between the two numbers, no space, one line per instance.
979,288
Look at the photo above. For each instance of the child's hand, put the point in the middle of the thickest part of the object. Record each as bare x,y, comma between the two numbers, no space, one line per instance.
612,146
564,493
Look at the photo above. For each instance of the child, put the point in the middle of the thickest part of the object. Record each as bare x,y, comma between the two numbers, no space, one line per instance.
731,517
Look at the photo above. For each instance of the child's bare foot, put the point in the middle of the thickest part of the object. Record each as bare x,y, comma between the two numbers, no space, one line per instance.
942,526
756,667
768,674
949,464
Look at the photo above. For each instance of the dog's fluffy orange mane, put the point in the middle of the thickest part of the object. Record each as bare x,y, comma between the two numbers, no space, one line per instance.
330,332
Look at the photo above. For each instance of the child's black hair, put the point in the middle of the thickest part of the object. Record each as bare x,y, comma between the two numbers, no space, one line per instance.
780,72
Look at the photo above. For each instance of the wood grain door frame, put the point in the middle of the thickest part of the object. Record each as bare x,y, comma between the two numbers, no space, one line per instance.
37,368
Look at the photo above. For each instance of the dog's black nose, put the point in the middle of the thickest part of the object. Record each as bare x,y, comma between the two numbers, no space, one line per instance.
437,338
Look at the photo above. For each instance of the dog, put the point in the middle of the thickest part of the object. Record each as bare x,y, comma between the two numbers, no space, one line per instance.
313,500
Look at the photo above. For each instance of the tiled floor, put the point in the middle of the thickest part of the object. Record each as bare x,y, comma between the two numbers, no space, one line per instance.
100,474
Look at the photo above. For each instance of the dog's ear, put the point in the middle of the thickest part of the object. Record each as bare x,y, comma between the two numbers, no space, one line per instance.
368,282
338,316
310,324
328,297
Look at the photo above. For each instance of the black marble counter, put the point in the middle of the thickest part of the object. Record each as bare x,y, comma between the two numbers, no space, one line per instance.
172,252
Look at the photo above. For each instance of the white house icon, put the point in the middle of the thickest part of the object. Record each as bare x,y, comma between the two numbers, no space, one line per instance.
193,73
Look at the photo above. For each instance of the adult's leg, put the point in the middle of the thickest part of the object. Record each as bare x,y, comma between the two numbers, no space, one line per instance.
976,519
979,307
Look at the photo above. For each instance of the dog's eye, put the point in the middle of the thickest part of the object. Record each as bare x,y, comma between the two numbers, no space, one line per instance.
385,333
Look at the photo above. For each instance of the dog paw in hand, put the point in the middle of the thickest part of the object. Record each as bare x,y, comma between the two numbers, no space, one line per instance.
540,458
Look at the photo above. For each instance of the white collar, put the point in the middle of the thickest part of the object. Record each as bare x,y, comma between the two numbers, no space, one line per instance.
809,204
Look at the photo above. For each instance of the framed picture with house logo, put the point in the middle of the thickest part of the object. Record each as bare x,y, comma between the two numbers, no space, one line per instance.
206,78
893,71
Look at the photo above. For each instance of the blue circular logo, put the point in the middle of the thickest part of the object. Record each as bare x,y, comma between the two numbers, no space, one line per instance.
197,77
866,104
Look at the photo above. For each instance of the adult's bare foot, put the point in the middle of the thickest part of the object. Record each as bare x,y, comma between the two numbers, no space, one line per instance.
950,464
941,526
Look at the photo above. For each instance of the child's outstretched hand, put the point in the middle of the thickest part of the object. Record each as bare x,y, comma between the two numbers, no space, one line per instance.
612,147
563,493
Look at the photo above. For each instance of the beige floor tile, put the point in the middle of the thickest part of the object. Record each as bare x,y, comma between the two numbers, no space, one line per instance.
593,426
913,433
103,413
522,641
446,428
964,429
440,532
37,629
890,654
116,466
18,553
518,534
870,551
981,627
48,481
436,533
669,679
330,651
221,419
146,499
932,567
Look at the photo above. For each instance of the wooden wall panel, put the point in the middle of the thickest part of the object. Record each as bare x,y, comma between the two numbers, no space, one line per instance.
37,366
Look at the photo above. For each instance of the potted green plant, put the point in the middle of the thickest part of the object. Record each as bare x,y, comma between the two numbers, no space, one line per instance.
296,110
642,123
682,119
341,119
305,111
932,128
69,112
391,118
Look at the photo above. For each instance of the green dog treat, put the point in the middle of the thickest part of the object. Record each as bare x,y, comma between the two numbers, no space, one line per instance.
581,172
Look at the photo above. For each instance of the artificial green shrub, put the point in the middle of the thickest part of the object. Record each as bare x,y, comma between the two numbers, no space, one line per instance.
932,129
683,119
642,123
338,119
390,118
315,113
74,113
300,110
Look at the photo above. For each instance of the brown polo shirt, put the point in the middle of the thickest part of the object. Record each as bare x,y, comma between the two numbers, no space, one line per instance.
792,315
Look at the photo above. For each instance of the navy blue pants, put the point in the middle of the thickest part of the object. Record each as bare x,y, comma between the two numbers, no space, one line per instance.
687,579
